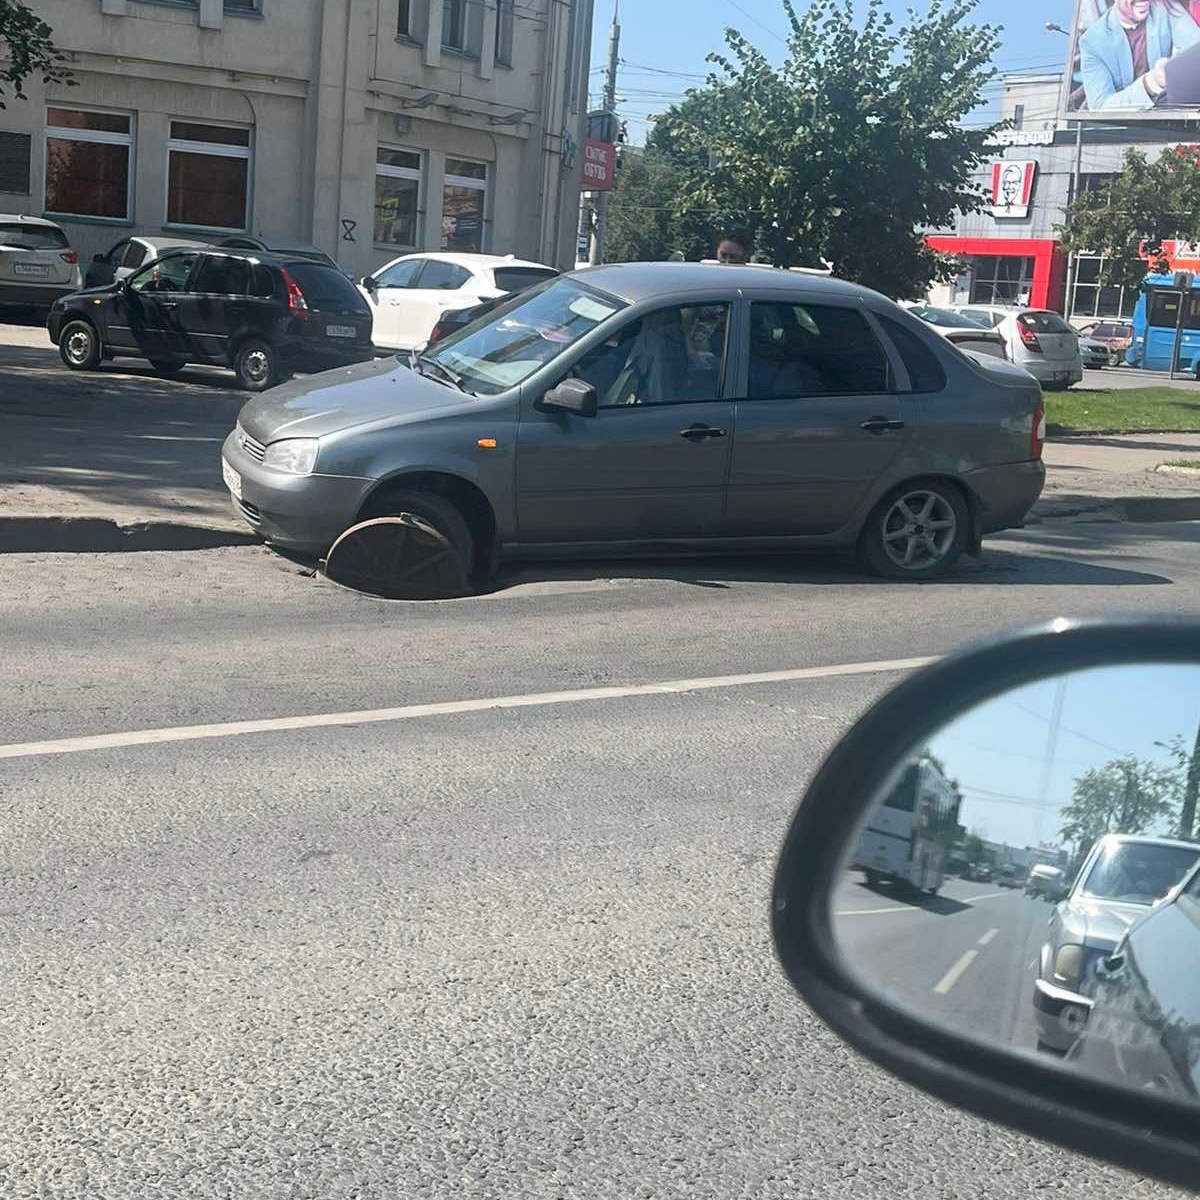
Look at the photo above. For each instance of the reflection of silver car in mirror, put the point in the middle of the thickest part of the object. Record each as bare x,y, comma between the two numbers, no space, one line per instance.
1121,878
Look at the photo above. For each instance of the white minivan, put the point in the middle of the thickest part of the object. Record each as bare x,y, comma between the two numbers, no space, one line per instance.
1037,339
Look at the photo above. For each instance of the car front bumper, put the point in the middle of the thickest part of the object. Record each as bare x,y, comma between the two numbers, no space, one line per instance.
305,513
1006,493
1061,1014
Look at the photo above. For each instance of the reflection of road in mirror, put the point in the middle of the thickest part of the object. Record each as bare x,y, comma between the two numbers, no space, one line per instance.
1030,878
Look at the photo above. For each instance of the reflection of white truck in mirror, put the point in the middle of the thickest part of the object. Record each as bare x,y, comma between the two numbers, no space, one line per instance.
908,837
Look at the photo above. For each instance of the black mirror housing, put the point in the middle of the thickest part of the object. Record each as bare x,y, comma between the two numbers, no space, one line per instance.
368,281
573,396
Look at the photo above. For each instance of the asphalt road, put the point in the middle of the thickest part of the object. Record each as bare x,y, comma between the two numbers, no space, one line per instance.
498,951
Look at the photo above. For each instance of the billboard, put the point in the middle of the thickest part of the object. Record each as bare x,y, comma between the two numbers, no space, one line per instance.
1136,59
1012,187
599,165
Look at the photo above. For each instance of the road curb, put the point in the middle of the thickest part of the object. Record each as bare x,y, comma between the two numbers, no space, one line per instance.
1175,469
1134,510
1059,433
104,535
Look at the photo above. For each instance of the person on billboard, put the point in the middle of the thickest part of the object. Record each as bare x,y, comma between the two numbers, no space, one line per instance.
1123,56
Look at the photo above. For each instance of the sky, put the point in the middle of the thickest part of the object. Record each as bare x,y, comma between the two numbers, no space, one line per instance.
664,43
998,752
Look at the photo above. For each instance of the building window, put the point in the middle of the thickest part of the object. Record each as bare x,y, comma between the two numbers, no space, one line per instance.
504,32
464,201
1001,279
88,160
16,155
242,8
1090,299
208,175
1018,115
404,20
462,26
397,197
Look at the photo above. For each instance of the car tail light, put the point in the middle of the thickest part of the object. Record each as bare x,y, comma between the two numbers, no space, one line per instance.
1037,440
297,305
1028,337
69,257
440,330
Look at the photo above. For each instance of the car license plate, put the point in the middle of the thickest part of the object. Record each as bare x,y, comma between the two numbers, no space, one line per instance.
343,331
40,270
233,481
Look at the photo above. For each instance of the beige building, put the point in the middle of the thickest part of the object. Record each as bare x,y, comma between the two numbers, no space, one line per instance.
366,127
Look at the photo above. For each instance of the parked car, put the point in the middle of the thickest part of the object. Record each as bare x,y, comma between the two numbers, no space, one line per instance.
455,319
1116,335
1038,340
128,255
279,247
616,390
264,317
1120,879
410,293
37,264
1046,883
967,333
1011,877
1141,1029
1093,353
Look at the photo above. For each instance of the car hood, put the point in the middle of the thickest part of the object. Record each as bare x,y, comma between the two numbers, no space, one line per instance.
343,399
1099,924
106,289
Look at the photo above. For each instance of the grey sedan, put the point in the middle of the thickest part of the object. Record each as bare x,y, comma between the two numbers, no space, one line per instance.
658,407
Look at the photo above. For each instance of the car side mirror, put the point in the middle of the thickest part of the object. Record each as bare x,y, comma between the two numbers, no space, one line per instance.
573,396
100,258
1068,745
369,282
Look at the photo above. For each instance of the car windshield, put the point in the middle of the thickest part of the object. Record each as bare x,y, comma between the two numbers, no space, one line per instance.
523,335
19,236
1137,872
945,318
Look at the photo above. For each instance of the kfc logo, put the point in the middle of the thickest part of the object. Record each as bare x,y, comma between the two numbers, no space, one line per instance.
1012,188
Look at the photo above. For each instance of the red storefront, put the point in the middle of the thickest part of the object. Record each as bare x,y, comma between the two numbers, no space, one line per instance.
1006,270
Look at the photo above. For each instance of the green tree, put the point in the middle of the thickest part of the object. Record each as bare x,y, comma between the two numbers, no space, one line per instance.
1126,795
1187,759
643,225
850,148
27,49
1149,202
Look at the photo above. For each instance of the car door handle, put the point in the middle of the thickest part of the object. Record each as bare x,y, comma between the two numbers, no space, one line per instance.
880,424
697,433
168,305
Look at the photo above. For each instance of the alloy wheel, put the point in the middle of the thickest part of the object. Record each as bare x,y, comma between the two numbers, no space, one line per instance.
919,530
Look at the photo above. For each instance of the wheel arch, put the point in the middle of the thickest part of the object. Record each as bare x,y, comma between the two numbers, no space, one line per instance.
968,493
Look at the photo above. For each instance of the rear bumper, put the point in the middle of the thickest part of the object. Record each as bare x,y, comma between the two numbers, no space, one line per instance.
39,294
310,358
299,512
1006,493
1063,373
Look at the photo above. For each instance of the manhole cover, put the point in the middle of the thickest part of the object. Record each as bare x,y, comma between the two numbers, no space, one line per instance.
398,558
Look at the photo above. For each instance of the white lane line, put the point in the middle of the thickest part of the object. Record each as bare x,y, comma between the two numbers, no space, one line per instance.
955,973
987,937
409,712
866,912
989,896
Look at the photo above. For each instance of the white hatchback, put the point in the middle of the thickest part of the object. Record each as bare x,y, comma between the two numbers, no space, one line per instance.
1037,339
37,264
409,294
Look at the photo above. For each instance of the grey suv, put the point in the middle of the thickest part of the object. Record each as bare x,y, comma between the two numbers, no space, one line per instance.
652,407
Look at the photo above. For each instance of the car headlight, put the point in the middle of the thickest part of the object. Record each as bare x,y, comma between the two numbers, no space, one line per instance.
1068,964
296,456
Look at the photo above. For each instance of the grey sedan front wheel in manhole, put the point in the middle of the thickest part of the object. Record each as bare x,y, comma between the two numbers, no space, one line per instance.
397,558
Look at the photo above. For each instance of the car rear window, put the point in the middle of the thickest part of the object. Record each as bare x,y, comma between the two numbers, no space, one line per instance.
32,237
1045,322
925,373
517,279
326,287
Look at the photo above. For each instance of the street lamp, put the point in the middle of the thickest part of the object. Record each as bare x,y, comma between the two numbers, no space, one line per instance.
1055,27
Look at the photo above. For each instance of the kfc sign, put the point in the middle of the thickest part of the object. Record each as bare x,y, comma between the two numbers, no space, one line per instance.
599,165
1012,187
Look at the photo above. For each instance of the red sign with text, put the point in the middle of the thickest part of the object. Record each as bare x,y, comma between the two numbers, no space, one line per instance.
599,165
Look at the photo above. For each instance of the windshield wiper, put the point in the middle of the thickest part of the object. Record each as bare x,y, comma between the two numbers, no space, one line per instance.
451,377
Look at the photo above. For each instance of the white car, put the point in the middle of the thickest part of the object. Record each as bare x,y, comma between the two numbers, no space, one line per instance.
409,294
967,333
128,255
1037,339
37,264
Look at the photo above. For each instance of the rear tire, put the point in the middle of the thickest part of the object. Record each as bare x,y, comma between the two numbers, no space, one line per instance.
256,365
917,531
441,513
79,346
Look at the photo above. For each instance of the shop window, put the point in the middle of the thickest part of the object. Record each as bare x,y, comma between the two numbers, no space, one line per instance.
208,175
89,157
1002,279
397,197
464,203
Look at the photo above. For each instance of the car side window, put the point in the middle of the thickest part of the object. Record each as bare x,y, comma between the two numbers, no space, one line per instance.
220,276
135,255
442,276
801,350
672,356
401,274
164,274
262,282
925,373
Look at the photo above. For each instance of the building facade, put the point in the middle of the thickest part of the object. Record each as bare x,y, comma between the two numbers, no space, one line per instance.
1011,250
369,128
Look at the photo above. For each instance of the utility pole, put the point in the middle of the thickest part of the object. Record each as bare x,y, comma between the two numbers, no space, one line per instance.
1187,812
609,105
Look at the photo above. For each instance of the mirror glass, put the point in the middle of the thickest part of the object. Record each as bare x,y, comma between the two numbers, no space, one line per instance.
1029,878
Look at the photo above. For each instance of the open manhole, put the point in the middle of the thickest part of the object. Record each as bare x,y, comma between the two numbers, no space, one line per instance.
397,558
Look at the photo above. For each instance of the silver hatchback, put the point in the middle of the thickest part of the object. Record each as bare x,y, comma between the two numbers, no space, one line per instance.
654,407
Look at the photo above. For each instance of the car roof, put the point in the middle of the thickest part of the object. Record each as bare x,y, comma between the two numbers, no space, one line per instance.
22,219
269,257
160,243
634,282
478,261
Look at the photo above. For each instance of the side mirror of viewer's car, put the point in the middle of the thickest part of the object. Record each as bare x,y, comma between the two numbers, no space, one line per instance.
1075,747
